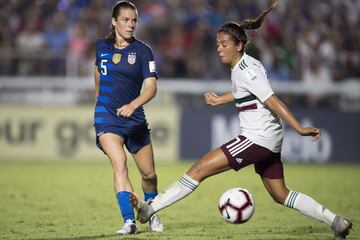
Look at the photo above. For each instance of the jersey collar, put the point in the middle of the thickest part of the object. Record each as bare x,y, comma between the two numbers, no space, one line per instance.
243,56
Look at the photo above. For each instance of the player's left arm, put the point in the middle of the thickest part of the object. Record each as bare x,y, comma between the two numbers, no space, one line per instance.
275,105
97,81
149,92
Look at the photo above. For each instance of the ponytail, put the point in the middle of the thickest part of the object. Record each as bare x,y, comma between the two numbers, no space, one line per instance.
111,37
249,24
237,30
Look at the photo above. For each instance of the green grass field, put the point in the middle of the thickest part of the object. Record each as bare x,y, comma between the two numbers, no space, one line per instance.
75,200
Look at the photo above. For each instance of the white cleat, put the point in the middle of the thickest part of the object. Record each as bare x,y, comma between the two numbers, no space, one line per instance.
128,228
341,227
143,209
155,224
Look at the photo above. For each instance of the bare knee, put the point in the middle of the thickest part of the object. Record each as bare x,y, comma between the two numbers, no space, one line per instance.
280,196
277,189
196,172
149,177
120,169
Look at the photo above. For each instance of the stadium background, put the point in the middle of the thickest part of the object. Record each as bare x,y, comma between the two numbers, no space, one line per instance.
55,183
309,48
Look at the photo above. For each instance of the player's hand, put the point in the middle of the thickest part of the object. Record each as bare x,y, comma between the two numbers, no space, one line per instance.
310,131
211,98
126,110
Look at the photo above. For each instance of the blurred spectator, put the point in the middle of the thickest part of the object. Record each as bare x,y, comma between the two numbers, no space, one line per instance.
30,44
57,40
78,47
6,41
317,80
43,33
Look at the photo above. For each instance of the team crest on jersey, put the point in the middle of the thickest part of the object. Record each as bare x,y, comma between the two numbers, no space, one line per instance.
116,58
131,58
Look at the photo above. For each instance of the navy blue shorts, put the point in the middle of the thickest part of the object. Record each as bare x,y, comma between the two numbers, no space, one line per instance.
242,152
135,137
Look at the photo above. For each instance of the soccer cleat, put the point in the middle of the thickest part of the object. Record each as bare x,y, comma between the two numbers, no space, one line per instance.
341,227
128,228
143,209
155,224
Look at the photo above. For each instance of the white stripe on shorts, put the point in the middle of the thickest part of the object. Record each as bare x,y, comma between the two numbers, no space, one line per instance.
239,147
235,142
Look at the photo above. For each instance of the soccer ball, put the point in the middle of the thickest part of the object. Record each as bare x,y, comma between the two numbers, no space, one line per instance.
236,205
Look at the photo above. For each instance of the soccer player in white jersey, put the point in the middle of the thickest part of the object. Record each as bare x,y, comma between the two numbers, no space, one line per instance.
260,138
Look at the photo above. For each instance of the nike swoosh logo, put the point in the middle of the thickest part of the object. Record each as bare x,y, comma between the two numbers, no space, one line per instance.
104,54
100,133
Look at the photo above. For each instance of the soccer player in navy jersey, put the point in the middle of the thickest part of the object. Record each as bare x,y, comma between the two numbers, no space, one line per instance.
123,65
260,138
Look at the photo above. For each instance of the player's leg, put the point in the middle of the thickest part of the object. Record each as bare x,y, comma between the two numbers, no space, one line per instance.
236,154
144,159
277,189
307,206
212,163
112,145
272,177
296,200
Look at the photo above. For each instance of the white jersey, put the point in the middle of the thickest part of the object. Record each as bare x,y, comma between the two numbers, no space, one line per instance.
251,88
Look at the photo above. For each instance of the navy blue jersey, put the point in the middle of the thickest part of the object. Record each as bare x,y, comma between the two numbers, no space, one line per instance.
122,72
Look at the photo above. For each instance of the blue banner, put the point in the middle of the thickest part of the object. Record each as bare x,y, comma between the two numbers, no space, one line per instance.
204,129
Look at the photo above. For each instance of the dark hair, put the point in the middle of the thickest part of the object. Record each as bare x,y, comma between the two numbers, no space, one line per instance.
238,30
111,37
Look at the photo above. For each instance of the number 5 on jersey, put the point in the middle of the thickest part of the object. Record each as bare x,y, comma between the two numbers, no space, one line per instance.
103,66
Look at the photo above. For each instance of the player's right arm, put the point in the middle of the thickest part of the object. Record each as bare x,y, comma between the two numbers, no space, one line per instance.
214,100
97,80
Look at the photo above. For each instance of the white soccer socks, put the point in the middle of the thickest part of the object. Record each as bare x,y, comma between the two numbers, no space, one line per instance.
309,207
175,192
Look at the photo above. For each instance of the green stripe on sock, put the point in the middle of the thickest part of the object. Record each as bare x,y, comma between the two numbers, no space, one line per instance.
187,183
292,199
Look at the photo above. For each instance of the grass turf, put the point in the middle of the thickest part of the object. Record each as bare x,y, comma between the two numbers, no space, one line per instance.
75,200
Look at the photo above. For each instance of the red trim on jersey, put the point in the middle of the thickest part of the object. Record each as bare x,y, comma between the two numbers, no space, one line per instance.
247,107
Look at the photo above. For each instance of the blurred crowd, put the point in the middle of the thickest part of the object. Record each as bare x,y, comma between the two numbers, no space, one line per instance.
306,40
